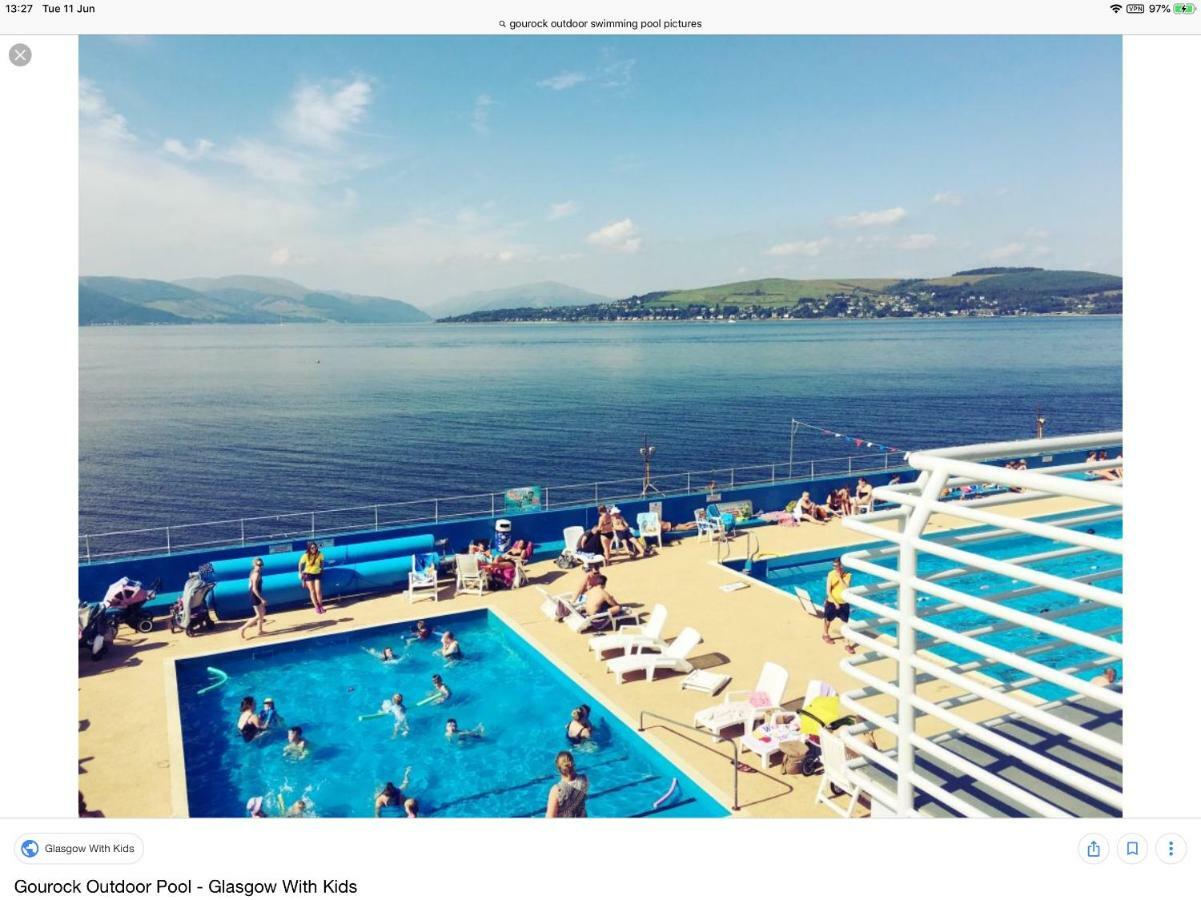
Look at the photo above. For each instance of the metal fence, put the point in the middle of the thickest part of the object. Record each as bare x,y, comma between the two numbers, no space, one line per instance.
373,517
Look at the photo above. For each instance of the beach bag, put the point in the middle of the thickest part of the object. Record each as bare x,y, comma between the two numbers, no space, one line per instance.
565,560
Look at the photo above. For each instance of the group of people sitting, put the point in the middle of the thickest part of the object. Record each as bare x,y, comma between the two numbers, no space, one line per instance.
839,502
611,531
1113,474
505,569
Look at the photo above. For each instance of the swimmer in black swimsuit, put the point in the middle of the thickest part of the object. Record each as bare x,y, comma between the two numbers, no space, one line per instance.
249,724
579,729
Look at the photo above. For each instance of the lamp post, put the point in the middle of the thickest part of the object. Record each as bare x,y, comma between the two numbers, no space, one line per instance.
1040,423
647,452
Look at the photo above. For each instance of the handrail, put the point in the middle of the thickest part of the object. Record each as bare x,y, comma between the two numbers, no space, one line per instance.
914,649
367,517
733,744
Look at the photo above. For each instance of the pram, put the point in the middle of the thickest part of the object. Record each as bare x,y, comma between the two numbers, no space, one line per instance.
96,630
126,600
190,613
823,713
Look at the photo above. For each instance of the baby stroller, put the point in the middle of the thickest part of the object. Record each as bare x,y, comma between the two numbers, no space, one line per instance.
190,613
96,630
126,600
822,713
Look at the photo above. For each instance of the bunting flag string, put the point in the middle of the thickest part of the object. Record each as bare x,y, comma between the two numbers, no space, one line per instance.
848,438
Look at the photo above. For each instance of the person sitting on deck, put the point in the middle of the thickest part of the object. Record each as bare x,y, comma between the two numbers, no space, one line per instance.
591,542
808,511
598,600
863,496
1107,678
502,571
621,528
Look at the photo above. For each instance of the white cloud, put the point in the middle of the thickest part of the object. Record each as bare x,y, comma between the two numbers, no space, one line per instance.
198,150
798,248
1038,234
562,210
621,236
917,242
280,256
268,163
479,114
946,198
872,219
98,118
616,73
319,115
563,81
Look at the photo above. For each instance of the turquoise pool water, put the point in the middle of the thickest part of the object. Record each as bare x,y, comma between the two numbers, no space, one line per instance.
809,573
324,684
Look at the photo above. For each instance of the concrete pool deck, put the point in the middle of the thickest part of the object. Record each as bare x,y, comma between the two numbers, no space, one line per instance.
130,763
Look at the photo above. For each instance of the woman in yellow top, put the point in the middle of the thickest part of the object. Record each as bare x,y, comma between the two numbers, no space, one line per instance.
837,581
312,562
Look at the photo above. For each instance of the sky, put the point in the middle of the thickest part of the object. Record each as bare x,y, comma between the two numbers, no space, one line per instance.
423,168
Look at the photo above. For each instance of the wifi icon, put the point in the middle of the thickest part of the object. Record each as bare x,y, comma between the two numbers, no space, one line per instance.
1116,7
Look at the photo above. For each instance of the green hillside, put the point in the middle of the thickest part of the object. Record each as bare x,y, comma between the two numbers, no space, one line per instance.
237,300
768,292
96,308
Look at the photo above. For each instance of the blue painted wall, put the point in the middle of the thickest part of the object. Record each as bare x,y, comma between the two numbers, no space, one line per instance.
545,528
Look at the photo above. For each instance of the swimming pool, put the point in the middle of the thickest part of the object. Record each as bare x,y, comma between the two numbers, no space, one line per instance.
809,571
324,684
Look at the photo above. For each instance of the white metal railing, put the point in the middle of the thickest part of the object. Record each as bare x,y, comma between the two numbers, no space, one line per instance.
919,636
372,517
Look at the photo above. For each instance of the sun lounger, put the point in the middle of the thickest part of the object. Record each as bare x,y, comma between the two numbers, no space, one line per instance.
629,636
571,540
705,682
807,603
740,706
674,658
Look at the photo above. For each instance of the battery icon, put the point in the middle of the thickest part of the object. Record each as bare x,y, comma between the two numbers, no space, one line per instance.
1184,9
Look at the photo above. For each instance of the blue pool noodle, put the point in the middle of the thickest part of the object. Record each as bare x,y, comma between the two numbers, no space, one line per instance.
274,563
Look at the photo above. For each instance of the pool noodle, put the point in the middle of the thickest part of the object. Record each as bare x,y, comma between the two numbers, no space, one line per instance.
675,783
224,678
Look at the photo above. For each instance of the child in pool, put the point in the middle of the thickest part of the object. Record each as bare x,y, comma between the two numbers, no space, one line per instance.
297,746
440,694
454,734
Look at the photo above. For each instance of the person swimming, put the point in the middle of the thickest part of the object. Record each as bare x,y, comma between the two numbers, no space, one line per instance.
579,729
441,692
250,725
420,632
297,746
450,647
396,706
453,733
392,796
386,656
269,716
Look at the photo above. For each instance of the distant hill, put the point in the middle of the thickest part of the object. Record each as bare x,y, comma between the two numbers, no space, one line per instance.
995,291
96,308
236,300
539,295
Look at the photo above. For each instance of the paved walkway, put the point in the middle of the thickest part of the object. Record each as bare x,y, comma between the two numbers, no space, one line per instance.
125,758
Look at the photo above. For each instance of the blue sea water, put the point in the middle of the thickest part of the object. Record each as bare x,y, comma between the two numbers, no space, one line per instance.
811,575
195,423
324,684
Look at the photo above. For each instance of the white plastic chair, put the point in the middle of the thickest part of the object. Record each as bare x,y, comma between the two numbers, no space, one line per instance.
837,773
423,578
704,527
628,636
571,540
673,657
469,577
736,707
649,526
807,603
